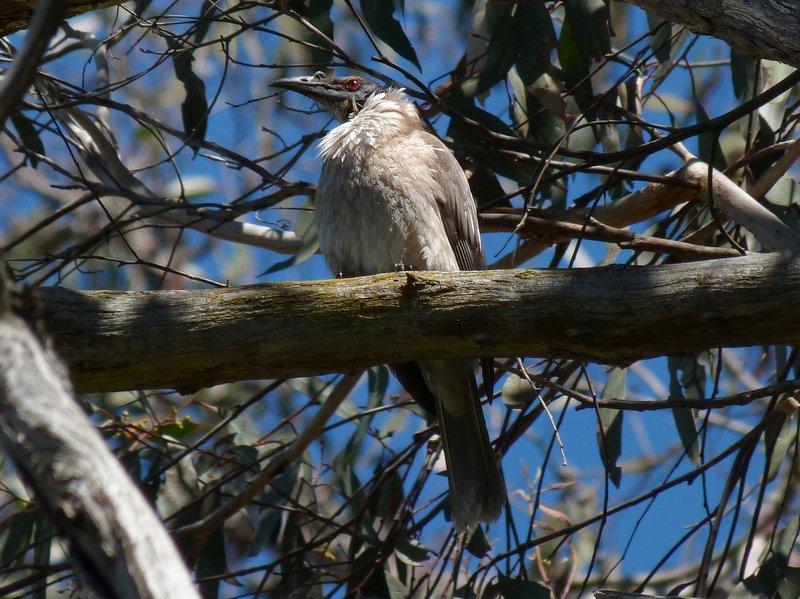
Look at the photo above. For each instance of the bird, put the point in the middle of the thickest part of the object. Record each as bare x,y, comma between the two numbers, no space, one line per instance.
391,197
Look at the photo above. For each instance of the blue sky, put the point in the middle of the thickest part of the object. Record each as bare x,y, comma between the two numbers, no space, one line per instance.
437,34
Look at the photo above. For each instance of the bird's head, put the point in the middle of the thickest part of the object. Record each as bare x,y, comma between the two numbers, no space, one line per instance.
341,96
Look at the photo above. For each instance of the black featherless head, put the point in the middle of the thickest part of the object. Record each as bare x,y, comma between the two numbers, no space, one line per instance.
341,96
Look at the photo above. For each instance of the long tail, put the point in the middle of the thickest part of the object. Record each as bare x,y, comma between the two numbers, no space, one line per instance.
477,488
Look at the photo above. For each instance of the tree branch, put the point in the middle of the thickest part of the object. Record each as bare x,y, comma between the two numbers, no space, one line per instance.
191,339
116,538
760,29
19,76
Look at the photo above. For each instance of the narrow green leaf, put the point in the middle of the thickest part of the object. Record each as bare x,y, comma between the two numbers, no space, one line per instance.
687,429
377,383
411,552
319,15
397,590
500,55
348,483
778,438
535,38
29,136
588,21
786,539
709,146
784,193
520,172
519,107
306,228
194,108
374,583
660,34
269,525
517,392
478,545
42,549
516,588
379,15
574,65
611,421
245,454
743,75
678,35
775,578
685,373
486,188
773,111
212,564
387,501
207,12
575,68
18,538
466,106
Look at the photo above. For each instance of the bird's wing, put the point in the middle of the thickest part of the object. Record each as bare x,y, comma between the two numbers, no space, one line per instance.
456,207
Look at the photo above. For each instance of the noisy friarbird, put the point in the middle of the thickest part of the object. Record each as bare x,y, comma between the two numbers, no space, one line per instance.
391,197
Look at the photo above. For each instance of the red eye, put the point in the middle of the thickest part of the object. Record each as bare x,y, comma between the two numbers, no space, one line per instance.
352,85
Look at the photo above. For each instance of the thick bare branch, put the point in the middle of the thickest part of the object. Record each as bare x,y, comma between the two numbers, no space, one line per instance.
742,208
17,14
116,537
192,339
760,28
21,74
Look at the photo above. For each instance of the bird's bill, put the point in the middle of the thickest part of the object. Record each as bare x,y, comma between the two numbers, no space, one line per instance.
311,86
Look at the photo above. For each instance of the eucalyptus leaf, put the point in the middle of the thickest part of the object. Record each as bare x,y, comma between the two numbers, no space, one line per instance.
411,552
379,15
517,588
306,228
710,149
208,10
397,590
18,533
535,37
679,35
660,37
319,15
575,68
194,108
743,75
773,111
477,543
779,436
686,379
785,193
610,441
212,563
500,56
29,136
517,392
589,22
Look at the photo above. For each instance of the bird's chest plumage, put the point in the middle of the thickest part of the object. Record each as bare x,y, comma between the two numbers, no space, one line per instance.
376,203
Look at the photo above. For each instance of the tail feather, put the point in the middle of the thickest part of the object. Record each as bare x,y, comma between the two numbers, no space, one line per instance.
477,488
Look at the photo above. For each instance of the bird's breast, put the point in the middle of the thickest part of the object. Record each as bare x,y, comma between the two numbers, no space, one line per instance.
376,212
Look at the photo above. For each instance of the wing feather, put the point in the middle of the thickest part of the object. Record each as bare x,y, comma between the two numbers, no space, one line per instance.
456,206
